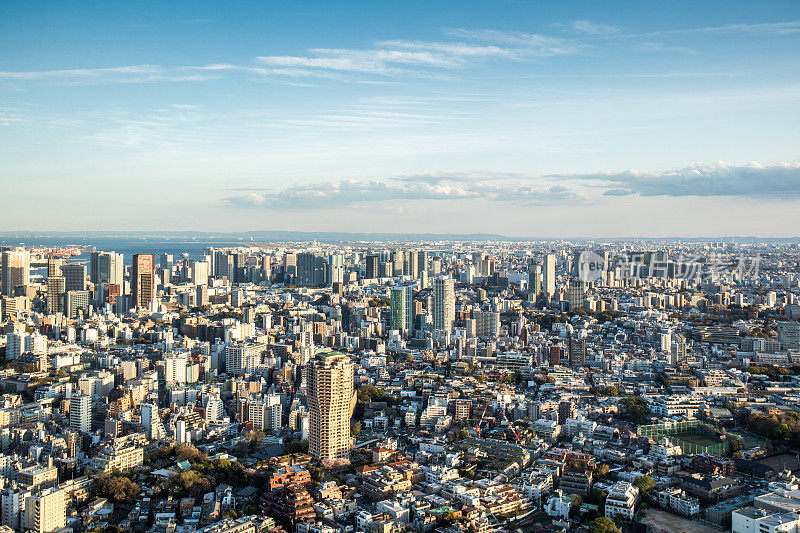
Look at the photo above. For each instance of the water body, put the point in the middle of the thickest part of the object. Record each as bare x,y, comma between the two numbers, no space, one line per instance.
125,245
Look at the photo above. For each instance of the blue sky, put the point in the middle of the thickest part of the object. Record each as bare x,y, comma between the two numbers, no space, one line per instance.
522,118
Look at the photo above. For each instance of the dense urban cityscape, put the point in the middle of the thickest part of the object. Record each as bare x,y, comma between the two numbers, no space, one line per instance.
402,386
437,266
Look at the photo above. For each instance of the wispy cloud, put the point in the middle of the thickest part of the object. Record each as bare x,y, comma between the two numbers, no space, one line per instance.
588,27
722,179
440,187
658,47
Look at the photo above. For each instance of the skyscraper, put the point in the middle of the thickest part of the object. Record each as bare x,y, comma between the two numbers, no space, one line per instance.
107,268
373,266
15,268
412,264
444,303
549,275
56,287
80,413
402,308
310,270
53,266
330,402
74,276
335,269
534,278
576,293
143,280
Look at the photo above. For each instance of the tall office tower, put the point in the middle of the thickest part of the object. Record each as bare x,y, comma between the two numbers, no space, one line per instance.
166,261
398,263
310,270
199,272
75,302
444,303
335,269
402,308
74,276
107,268
412,264
80,413
143,280
290,265
534,278
266,267
15,270
202,296
46,511
56,287
217,263
54,266
422,261
576,292
239,267
789,335
330,400
373,266
549,275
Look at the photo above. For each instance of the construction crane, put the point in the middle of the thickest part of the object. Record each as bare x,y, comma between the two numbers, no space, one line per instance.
514,431
480,420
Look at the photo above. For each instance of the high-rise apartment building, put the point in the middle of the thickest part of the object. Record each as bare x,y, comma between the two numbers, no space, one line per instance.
143,280
402,308
46,511
444,303
330,401
15,270
80,413
549,275
576,292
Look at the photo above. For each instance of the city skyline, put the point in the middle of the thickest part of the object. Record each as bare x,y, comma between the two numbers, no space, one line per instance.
547,119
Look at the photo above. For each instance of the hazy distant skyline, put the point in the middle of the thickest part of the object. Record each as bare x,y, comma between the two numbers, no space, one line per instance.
515,118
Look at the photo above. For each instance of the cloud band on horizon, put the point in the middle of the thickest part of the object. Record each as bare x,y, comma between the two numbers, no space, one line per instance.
721,179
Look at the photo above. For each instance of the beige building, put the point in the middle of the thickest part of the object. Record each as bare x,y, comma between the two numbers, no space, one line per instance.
331,401
109,458
46,511
15,268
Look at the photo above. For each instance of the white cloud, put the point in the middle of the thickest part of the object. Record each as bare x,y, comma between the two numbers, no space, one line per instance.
440,187
587,27
721,179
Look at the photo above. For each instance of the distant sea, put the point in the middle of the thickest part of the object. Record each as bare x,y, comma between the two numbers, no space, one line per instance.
124,245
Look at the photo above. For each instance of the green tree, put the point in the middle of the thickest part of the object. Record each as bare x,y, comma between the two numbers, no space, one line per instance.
575,503
644,483
603,525
117,488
